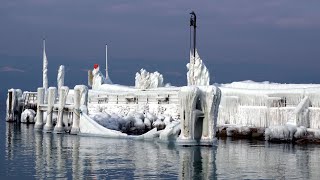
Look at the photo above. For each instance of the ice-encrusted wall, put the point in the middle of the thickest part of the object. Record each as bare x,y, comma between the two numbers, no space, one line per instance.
269,104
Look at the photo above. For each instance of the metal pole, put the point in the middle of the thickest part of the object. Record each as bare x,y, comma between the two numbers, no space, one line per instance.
107,73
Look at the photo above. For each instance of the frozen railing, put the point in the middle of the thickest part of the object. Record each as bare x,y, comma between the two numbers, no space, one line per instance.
137,98
68,115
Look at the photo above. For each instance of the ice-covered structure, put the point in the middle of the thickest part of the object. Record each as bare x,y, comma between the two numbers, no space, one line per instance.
147,80
14,108
198,73
98,78
28,116
60,77
186,115
270,105
45,67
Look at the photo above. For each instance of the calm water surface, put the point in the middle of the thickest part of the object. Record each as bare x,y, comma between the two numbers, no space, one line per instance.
42,155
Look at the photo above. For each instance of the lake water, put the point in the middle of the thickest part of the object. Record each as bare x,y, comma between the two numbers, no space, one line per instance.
29,154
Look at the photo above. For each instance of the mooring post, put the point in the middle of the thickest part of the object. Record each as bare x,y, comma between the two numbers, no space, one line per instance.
62,101
51,98
39,121
76,111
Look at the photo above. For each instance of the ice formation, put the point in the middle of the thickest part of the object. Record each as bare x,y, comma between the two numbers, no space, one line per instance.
198,73
241,130
49,115
133,123
28,116
60,77
45,67
147,80
107,79
149,110
13,101
98,78
284,133
269,104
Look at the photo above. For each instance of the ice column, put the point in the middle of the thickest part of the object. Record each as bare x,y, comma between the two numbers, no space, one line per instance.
62,101
76,112
45,72
302,113
83,98
60,78
188,95
45,67
51,99
210,100
39,121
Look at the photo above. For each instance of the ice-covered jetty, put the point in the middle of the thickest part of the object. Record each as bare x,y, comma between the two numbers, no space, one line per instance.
151,111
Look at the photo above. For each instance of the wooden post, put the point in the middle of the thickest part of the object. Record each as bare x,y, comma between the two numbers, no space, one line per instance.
51,98
39,121
76,112
62,101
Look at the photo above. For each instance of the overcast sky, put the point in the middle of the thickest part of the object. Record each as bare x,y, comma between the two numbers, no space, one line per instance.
275,40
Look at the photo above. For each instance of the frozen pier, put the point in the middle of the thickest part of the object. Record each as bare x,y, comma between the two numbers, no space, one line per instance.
188,114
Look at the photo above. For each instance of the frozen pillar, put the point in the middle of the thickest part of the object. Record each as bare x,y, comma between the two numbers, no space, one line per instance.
83,98
45,67
45,72
10,104
60,78
39,121
51,98
63,92
188,97
210,100
76,112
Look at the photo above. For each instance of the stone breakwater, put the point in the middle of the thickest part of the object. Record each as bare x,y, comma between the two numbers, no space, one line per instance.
282,134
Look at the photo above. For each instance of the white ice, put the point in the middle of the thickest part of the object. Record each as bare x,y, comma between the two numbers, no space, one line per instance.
99,79
147,80
28,116
198,73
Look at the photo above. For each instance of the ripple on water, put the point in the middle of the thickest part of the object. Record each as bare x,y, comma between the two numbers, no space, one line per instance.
46,155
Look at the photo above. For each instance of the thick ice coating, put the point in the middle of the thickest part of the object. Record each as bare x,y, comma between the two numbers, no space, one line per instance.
198,73
147,80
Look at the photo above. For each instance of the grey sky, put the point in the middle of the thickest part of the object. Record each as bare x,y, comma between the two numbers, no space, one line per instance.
276,38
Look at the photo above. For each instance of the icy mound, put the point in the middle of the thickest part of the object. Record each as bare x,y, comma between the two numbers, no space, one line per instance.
285,133
146,80
198,73
134,123
240,130
106,121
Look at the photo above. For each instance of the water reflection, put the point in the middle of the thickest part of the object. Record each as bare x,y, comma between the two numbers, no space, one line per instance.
249,159
67,156
45,155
